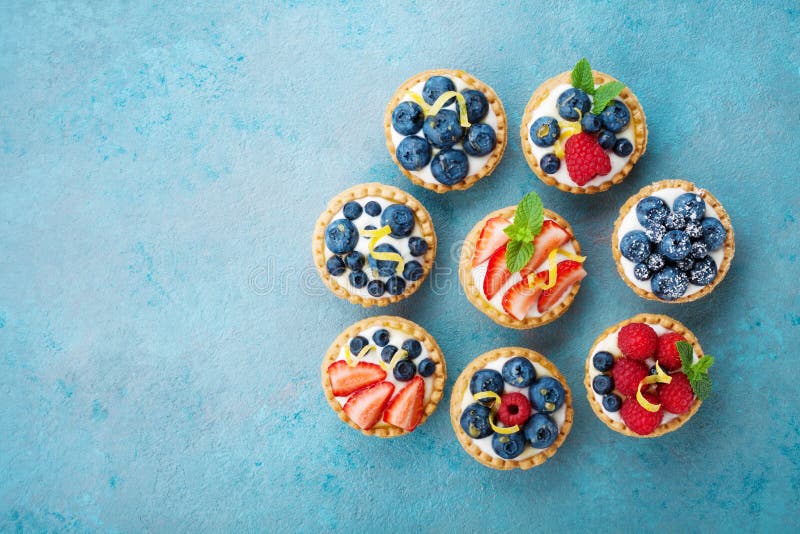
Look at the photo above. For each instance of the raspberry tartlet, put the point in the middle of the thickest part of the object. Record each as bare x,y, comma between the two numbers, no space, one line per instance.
384,376
445,129
583,131
374,244
673,242
511,408
646,376
521,265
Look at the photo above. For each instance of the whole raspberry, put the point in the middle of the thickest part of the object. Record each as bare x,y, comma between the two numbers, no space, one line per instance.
677,396
637,341
638,419
667,353
585,158
627,374
515,409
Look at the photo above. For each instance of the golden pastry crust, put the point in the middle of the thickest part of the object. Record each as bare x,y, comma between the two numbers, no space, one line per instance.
651,319
462,385
500,131
475,294
729,247
393,194
638,122
384,430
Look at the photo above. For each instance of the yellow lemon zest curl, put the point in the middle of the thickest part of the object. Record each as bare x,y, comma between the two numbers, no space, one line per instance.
660,377
375,236
495,406
352,361
399,355
552,267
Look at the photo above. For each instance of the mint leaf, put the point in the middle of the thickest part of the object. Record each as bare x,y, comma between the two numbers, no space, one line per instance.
605,94
530,213
518,233
582,76
518,253
703,364
701,387
686,353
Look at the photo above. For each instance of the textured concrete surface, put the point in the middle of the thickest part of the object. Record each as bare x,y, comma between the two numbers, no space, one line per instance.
161,325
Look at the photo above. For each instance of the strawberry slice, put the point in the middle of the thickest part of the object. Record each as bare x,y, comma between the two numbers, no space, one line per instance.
405,410
492,237
366,406
551,237
519,299
346,380
497,273
568,273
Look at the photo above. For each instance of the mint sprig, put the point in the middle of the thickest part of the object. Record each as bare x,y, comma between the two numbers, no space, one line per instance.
582,76
583,79
697,373
528,220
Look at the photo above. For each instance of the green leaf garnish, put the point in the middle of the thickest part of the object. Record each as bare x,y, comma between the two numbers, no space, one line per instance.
518,253
528,220
605,94
697,373
582,76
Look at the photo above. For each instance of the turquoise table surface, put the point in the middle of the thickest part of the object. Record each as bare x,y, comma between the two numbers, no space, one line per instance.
162,323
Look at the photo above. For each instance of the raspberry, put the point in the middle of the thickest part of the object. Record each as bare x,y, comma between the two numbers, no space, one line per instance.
677,396
627,374
585,158
637,341
637,418
515,409
667,353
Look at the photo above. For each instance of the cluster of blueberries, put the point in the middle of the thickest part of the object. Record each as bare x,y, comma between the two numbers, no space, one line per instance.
405,368
341,238
574,105
546,395
443,132
673,249
604,384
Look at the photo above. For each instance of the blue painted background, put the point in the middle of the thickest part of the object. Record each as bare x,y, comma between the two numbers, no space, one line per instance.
161,323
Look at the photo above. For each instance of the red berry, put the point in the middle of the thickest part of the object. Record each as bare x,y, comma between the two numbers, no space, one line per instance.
497,273
405,410
677,396
515,409
637,341
627,374
492,237
585,158
638,419
667,353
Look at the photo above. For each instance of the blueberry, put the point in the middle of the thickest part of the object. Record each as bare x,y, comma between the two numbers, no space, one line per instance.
407,118
381,337
354,261
341,236
635,246
685,264
417,246
571,101
357,344
519,372
603,384
412,347
690,205
400,219
395,285
591,123
694,229
675,221
450,166
703,272
508,446
699,250
541,431
550,163
388,353
475,420
376,288
358,279
413,153
335,266
545,131
412,271
714,233
369,227
612,403
373,209
486,380
651,210
404,370
641,272
603,361
615,117
623,148
352,210
676,245
384,267
655,262
480,140
426,367
607,139
653,370
435,86
477,105
443,130
655,232
546,394
669,283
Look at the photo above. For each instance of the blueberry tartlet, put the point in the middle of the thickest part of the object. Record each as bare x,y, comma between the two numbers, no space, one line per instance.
583,131
511,409
374,245
521,265
445,129
647,376
672,242
384,376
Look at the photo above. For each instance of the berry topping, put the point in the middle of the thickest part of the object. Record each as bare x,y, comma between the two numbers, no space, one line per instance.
435,86
358,279
569,273
655,232
407,118
413,152
550,163
508,446
443,130
376,288
639,419
585,158
514,409
545,131
373,209
638,341
518,372
395,285
677,396
546,394
417,246
667,353
651,210
623,148
669,283
404,370
655,262
694,229
520,298
675,221
346,379
703,272
492,238
612,402
480,140
476,103
450,166
486,380
354,261
412,347
676,245
603,384
406,409
607,139
400,219
387,353
573,103
335,266
475,420
412,271
635,246
685,264
341,236
615,117
497,273
426,367
357,344
691,206
364,408
384,267
352,210
591,123
699,250
549,239
714,233
641,272
541,431
627,374
370,226
381,338
603,361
